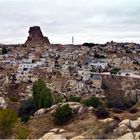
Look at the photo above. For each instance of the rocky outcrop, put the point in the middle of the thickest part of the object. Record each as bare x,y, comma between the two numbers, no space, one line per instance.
36,38
119,87
76,107
40,112
128,128
62,134
130,136
107,120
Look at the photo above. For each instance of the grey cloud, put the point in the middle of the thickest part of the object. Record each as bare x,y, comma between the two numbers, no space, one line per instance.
87,20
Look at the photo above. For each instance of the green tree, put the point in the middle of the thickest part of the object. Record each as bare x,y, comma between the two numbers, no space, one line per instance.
4,50
8,118
42,96
62,114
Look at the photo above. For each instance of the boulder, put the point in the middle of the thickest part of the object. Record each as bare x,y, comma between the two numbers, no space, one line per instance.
58,133
131,136
40,112
107,120
81,110
57,130
52,136
78,138
91,109
122,129
131,123
127,126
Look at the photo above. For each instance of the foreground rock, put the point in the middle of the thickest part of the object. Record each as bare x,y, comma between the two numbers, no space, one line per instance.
61,134
107,120
36,38
40,112
131,136
127,128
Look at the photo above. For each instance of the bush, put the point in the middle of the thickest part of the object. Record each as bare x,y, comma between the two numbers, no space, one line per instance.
133,110
73,98
115,70
115,102
26,109
102,113
58,99
21,132
93,101
14,99
8,118
88,44
116,110
25,118
62,114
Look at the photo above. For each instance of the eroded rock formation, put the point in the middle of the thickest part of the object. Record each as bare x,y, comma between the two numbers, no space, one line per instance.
36,38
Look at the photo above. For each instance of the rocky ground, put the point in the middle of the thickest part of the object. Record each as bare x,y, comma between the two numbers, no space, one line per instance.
84,125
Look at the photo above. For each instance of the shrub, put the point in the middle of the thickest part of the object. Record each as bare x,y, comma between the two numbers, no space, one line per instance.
62,114
108,128
58,99
26,109
21,132
8,118
115,102
93,101
102,113
116,110
133,110
25,118
115,70
14,99
73,98
88,44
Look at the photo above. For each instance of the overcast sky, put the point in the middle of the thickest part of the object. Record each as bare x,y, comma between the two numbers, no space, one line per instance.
96,21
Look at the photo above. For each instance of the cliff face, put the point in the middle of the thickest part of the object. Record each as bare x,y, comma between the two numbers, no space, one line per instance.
36,38
119,87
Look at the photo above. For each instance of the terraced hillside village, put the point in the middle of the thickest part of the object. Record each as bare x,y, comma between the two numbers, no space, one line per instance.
72,92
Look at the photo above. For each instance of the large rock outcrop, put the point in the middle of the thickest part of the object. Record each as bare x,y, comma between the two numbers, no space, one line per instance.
36,38
61,134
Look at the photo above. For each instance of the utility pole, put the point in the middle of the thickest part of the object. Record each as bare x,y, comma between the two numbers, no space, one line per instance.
72,40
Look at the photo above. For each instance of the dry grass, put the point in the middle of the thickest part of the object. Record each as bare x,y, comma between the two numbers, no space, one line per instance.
86,124
83,124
